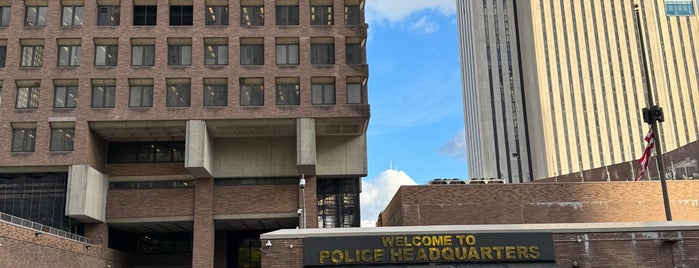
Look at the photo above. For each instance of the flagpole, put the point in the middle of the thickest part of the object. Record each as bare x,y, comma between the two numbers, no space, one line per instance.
654,115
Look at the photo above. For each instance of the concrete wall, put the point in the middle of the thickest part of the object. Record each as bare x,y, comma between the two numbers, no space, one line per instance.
87,193
254,157
199,151
342,155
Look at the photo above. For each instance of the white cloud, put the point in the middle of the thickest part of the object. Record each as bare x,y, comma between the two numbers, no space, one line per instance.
394,11
425,26
456,147
378,191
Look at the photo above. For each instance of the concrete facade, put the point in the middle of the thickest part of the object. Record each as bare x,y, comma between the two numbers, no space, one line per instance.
213,175
553,88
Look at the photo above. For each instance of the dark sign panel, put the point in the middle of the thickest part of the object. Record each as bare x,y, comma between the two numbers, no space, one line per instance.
441,248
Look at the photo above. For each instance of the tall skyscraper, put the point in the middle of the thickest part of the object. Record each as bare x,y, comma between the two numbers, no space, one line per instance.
557,87
182,127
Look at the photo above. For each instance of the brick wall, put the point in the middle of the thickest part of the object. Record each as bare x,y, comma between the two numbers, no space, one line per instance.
150,203
540,203
255,199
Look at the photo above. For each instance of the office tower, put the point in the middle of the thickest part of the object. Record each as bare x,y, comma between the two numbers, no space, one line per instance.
183,127
556,87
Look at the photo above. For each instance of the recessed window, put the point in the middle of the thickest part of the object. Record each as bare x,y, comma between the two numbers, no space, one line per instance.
35,16
4,16
353,52
215,92
106,55
287,15
216,15
355,89
252,92
32,56
352,15
69,55
181,15
144,152
65,97
322,51
252,15
103,93
62,138
321,15
287,51
3,55
288,91
178,93
140,92
216,54
145,15
143,55
322,90
179,55
27,97
23,139
108,15
252,51
72,16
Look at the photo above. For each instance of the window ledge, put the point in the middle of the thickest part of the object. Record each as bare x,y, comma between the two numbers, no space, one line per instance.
215,107
105,66
252,66
179,66
60,152
288,66
140,108
20,153
63,109
67,67
216,66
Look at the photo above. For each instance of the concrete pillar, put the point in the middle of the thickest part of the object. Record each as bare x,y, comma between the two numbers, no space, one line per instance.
204,230
306,145
198,149
86,198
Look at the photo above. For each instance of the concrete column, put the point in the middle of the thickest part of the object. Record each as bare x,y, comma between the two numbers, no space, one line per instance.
86,198
204,230
306,145
198,149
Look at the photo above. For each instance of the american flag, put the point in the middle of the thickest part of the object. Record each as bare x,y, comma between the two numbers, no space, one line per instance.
645,158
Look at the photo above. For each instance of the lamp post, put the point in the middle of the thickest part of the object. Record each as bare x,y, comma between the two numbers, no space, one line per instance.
652,114
302,185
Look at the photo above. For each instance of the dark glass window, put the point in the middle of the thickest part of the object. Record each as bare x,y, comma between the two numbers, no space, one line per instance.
252,15
352,15
65,97
143,55
216,55
256,181
23,139
321,15
36,197
68,55
108,15
216,15
251,93
338,202
4,16
253,54
178,95
287,54
287,15
3,55
141,96
181,15
179,55
288,94
322,54
103,96
215,95
323,93
35,16
249,254
106,55
136,185
145,15
353,53
145,152
62,139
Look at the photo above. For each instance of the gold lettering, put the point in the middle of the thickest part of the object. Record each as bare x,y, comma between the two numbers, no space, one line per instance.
323,255
522,252
396,255
408,254
400,241
498,252
461,239
348,256
534,252
434,254
426,241
336,256
366,255
487,253
421,255
447,240
470,240
416,241
448,254
461,254
473,254
437,240
378,255
387,241
510,252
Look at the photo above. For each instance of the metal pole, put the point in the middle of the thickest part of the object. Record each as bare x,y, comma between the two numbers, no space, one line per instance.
303,203
654,122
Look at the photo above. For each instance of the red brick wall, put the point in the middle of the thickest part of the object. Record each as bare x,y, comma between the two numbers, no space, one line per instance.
281,255
146,169
150,203
540,203
255,199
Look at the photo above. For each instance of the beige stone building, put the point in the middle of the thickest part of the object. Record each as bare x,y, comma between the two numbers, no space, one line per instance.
174,132
556,87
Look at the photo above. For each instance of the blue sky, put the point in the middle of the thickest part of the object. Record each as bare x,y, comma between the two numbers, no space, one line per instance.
416,122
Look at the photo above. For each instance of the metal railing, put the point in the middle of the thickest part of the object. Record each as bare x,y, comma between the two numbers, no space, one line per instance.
42,228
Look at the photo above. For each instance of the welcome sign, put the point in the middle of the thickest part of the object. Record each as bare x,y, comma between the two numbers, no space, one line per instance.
679,7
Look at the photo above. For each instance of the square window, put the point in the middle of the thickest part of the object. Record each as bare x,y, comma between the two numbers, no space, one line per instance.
68,55
72,16
323,93
252,92
322,53
181,15
145,15
354,93
27,98
35,16
103,96
141,96
288,94
4,16
252,15
32,56
252,54
178,94
216,55
179,55
353,53
287,15
352,15
62,139
106,55
108,15
3,55
287,54
215,94
23,139
65,97
216,15
321,15
143,55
